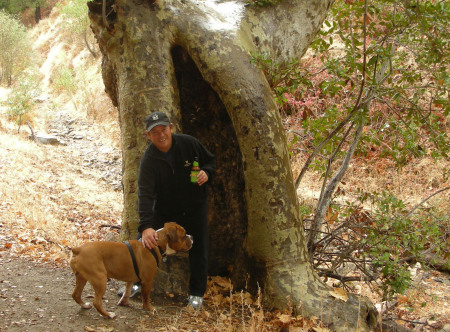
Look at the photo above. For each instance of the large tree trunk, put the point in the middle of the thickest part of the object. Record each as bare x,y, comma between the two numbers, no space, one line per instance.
191,59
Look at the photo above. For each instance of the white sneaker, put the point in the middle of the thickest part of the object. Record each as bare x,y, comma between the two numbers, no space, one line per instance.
134,291
195,301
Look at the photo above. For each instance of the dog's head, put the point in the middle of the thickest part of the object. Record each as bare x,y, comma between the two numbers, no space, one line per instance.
173,238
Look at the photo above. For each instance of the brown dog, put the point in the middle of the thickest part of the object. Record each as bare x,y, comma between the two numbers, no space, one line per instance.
97,261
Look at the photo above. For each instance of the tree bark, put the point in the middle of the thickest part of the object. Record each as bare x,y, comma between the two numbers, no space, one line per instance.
191,59
37,14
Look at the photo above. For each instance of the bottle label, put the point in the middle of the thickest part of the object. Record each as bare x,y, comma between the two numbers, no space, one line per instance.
194,171
194,175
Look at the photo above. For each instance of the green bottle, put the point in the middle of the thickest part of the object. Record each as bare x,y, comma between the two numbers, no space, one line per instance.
195,170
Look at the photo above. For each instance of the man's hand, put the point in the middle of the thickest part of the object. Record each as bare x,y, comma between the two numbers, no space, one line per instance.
149,238
202,178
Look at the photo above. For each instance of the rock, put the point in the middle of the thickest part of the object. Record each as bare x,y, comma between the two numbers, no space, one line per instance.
172,276
383,307
42,138
45,139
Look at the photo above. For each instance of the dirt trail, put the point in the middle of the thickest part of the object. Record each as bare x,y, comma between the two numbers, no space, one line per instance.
38,298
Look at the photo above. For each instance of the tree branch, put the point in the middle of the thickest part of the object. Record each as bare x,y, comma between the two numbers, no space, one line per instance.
330,161
343,279
87,44
349,116
323,205
105,21
315,225
426,199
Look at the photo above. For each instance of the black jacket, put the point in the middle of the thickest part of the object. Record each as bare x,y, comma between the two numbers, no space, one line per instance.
165,191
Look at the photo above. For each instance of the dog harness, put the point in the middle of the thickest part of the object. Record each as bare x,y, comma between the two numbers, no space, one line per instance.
133,258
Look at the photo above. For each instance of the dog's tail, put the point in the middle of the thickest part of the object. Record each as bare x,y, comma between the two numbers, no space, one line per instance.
75,251
73,261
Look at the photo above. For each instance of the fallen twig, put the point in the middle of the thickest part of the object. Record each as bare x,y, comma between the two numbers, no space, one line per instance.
111,226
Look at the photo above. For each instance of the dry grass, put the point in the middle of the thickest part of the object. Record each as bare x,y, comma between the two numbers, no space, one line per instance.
46,206
226,310
412,183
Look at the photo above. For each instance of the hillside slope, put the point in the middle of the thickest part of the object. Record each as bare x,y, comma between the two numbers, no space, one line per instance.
60,191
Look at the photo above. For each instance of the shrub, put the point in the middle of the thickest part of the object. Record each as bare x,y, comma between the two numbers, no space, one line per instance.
22,100
76,16
15,47
18,6
380,242
64,80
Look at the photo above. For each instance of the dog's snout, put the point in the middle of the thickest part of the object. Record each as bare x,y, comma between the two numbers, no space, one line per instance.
190,238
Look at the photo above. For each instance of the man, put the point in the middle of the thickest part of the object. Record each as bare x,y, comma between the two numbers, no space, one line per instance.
166,193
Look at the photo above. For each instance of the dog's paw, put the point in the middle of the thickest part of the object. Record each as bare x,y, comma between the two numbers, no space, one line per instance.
150,309
111,315
124,303
86,306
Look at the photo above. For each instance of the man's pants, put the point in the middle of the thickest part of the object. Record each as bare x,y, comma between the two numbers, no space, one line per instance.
196,224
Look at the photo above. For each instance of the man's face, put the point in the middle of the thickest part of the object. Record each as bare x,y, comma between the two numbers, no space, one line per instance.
161,137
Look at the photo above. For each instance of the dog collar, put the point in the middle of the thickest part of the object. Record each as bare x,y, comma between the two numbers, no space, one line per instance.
161,251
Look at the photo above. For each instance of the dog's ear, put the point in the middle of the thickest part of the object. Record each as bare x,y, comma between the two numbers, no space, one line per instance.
172,234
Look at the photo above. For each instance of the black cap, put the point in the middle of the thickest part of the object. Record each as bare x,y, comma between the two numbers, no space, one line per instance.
156,119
